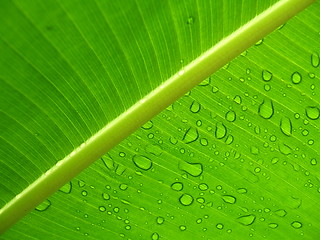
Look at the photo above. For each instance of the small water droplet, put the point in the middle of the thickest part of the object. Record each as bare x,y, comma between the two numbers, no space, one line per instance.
266,109
229,199
43,206
102,209
203,186
259,42
221,130
190,20
81,183
247,219
237,99
286,126
273,225
266,75
84,193
194,169
155,236
281,212
205,82
285,149
142,162
219,226
312,112
154,149
231,116
66,188
296,78
267,87
254,150
215,89
190,135
182,227
160,220
105,196
313,161
148,125
195,107
177,186
296,224
242,190
315,59
186,199
123,186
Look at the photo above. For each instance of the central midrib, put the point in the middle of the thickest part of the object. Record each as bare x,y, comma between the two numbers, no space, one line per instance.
160,98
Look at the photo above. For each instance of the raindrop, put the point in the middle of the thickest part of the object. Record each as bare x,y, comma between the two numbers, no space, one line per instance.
219,226
221,130
148,125
194,169
273,225
102,209
293,202
81,183
313,161
247,219
229,199
266,75
191,135
84,193
205,82
296,78
254,150
237,99
315,59
186,199
195,107
154,149
281,212
242,190
142,162
286,126
266,109
160,220
203,186
66,188
296,224
105,196
259,42
190,20
177,186
229,139
108,162
182,227
231,116
215,89
313,112
155,236
123,186
284,149
43,206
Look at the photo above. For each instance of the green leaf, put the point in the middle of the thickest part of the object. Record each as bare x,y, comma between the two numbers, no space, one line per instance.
235,157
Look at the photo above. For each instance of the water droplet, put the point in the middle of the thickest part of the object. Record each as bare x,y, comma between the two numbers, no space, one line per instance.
231,116
190,20
102,209
177,186
127,227
108,162
242,190
247,219
254,150
123,186
313,112
293,202
43,206
66,188
215,89
315,59
142,162
182,227
296,224
313,161
204,142
201,200
266,75
195,107
273,225
148,125
266,109
296,78
155,236
284,149
203,186
194,169
219,226
186,199
160,220
205,82
191,135
173,140
286,126
221,130
229,199
154,149
267,87
229,139
281,212
259,42
105,196
84,193
237,99
81,183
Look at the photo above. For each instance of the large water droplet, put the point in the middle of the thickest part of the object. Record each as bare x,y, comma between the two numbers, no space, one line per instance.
194,169
313,112
247,219
43,206
296,78
66,188
229,199
142,162
266,109
315,59
191,135
186,199
195,107
286,126
177,186
221,130
266,75
231,116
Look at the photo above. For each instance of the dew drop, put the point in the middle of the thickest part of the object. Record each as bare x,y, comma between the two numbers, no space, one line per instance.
105,196
142,162
284,149
254,150
313,113
313,161
186,199
177,186
84,193
237,99
229,199
221,130
154,149
266,109
273,225
81,183
190,135
219,226
205,82
296,224
242,190
296,78
195,107
43,206
229,139
215,89
190,20
203,186
160,220
194,169
102,209
66,188
286,126
182,227
247,219
266,75
315,59
123,186
155,236
281,212
148,125
231,116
